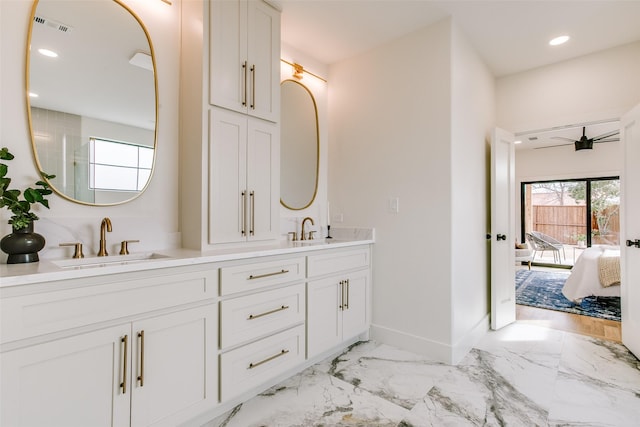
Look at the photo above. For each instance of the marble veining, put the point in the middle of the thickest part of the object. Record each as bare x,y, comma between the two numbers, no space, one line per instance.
522,375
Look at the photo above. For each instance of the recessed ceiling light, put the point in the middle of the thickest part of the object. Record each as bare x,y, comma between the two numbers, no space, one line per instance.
517,142
47,52
559,40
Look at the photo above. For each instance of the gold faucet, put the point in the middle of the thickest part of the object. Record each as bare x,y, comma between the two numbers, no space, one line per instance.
303,237
104,226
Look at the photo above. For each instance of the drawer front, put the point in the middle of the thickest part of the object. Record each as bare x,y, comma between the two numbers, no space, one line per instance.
254,364
32,315
249,317
249,277
337,260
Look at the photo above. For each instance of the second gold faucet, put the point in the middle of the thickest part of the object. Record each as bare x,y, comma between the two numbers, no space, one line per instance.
302,235
105,226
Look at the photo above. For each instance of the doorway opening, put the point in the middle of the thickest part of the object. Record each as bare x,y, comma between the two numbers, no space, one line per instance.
561,220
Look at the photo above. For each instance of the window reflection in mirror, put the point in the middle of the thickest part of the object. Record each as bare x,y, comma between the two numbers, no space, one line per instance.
299,150
97,85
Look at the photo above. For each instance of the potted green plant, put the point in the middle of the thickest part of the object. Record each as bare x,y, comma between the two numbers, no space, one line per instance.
22,244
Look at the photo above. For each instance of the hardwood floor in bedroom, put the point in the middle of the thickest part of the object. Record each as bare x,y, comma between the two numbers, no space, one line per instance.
569,322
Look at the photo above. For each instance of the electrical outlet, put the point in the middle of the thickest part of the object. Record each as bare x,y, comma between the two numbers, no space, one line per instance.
337,218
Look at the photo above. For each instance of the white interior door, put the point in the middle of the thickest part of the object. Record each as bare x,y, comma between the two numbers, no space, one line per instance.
503,293
630,227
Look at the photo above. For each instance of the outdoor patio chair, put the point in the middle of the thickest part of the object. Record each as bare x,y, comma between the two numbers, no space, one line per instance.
542,242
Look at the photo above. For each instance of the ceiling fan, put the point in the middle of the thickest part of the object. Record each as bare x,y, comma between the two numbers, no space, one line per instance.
585,143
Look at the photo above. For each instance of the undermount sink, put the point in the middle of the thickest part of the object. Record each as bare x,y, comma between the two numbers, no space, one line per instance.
109,260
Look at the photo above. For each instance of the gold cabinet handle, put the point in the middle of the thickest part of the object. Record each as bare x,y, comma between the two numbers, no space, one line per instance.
253,87
262,276
141,376
266,313
346,305
125,343
268,359
244,86
243,195
252,206
341,306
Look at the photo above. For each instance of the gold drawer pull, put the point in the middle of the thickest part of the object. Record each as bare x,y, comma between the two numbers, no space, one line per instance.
141,376
268,359
125,341
261,276
255,316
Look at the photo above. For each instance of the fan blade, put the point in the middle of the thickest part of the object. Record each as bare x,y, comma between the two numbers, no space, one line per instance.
607,140
551,146
606,135
562,137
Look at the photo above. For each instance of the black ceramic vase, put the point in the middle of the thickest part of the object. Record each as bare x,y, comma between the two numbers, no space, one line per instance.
22,245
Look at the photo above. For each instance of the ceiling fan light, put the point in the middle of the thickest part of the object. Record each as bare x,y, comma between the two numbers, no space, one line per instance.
583,144
558,40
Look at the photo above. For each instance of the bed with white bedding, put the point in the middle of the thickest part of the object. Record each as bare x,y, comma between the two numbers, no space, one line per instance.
596,272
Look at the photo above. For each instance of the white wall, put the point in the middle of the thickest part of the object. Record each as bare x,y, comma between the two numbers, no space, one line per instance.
472,118
152,217
391,120
599,86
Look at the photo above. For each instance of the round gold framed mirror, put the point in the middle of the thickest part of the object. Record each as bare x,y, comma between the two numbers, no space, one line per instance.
300,146
92,99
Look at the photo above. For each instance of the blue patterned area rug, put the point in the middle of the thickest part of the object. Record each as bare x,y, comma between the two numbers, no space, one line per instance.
543,289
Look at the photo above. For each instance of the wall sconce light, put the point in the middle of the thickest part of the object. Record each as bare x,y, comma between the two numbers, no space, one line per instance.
299,71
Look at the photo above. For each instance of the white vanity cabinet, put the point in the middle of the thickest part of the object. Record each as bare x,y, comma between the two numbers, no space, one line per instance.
244,55
244,178
71,382
121,367
337,297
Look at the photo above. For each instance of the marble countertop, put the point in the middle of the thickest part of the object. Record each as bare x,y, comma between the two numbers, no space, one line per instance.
53,270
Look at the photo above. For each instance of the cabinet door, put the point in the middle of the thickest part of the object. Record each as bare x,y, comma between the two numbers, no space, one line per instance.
174,367
264,61
228,200
229,68
68,382
355,314
324,315
263,179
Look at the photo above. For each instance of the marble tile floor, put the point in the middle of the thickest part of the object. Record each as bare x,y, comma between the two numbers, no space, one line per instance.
522,375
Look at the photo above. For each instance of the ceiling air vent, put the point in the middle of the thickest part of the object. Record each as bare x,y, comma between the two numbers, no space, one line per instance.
52,24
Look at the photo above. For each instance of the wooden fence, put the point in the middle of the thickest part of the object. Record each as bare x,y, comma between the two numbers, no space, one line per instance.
566,223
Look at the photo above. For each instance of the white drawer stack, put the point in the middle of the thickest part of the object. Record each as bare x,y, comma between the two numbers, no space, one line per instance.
262,332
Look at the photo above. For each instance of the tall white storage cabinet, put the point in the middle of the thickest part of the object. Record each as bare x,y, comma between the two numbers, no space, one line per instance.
230,135
244,178
245,57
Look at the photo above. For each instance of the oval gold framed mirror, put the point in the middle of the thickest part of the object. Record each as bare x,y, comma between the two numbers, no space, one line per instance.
92,99
300,146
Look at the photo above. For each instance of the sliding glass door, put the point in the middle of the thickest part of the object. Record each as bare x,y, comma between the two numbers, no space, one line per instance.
559,219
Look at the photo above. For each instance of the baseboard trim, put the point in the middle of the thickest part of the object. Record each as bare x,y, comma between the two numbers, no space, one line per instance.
441,352
434,350
470,339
